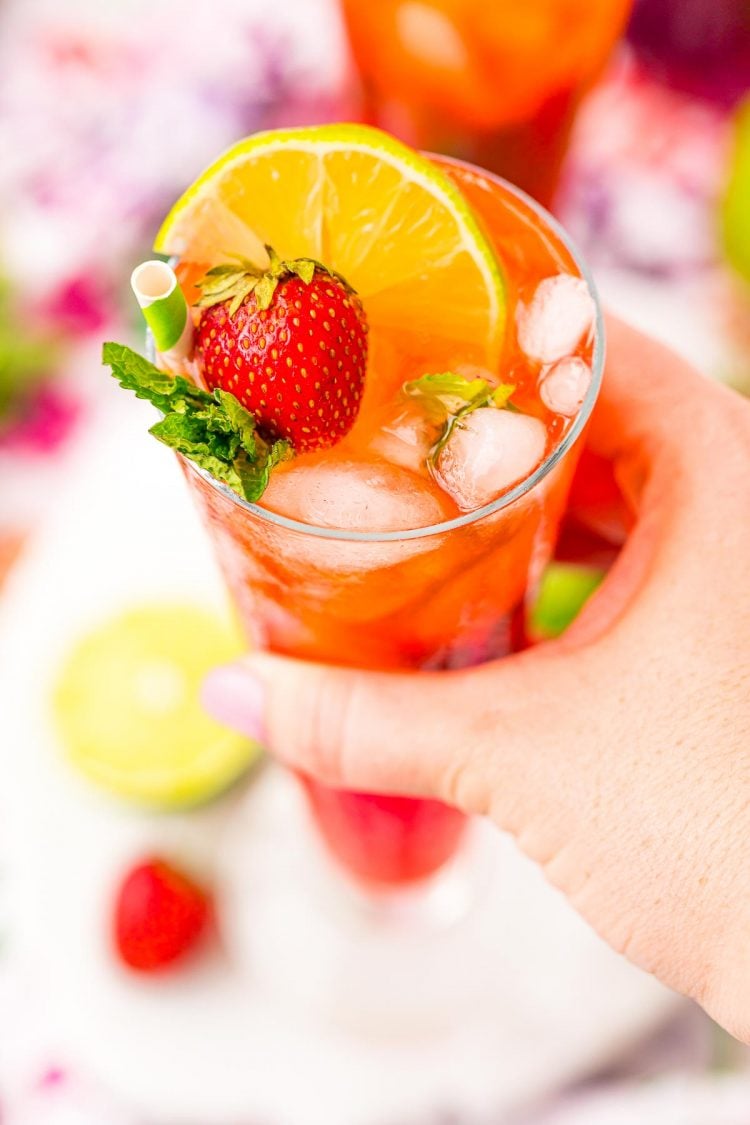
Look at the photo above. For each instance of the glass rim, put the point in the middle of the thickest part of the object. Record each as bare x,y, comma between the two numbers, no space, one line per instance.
523,487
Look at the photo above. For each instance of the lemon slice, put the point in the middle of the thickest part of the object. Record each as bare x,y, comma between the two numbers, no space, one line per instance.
128,711
365,205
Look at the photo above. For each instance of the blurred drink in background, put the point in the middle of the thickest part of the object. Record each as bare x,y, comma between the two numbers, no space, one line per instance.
497,84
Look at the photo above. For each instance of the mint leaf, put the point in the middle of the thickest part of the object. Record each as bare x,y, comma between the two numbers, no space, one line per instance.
447,397
254,475
135,373
202,431
241,421
214,431
449,393
189,436
446,392
500,397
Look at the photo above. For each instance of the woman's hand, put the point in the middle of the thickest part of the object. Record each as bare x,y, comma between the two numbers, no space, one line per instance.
619,755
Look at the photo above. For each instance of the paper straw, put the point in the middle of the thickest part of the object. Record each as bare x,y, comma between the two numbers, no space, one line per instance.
164,308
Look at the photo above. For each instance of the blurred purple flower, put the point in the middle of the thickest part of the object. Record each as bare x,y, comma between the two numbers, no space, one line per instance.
108,111
645,173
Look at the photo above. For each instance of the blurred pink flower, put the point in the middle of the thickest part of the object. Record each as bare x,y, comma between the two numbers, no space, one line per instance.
77,306
46,423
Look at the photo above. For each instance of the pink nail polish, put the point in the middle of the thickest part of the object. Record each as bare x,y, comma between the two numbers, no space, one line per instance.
234,696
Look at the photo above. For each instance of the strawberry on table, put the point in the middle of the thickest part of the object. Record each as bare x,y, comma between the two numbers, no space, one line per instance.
160,915
290,342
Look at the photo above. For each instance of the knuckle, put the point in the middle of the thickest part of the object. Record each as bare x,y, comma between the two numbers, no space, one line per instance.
454,783
464,782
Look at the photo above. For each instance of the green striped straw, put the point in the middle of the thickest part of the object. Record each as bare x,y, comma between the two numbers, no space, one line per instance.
164,308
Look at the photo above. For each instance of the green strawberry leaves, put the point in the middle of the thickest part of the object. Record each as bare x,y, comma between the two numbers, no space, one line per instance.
235,282
228,282
448,397
212,430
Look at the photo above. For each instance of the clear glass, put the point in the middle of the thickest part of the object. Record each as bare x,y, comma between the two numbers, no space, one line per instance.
440,597
497,84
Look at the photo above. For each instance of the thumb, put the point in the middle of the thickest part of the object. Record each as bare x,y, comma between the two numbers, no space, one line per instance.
349,728
449,735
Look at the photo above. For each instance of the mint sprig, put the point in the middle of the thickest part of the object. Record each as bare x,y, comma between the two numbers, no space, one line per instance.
212,430
168,393
448,397
449,393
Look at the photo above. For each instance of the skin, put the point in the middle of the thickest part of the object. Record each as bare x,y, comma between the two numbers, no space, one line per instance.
619,755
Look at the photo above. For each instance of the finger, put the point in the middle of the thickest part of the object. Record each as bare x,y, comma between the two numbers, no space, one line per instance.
457,736
648,397
633,425
385,732
655,428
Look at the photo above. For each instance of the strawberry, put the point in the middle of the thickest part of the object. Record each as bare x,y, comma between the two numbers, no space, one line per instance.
290,343
159,916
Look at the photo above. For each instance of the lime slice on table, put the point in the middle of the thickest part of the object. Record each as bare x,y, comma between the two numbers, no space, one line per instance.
386,218
128,711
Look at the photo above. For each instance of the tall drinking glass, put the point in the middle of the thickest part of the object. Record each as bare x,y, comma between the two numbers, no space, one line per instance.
497,83
440,597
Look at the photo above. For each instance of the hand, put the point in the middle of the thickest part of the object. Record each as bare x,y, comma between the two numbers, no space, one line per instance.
619,755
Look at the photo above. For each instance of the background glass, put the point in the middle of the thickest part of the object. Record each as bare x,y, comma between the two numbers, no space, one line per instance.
497,84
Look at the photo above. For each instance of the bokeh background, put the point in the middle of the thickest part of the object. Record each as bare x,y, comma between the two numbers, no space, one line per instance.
107,111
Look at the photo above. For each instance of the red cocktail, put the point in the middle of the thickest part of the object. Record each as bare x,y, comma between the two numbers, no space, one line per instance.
391,551
495,83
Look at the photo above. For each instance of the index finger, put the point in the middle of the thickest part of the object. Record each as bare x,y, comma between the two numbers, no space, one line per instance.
648,392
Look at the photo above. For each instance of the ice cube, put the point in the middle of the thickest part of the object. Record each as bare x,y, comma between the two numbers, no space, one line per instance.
355,495
487,453
563,386
557,318
406,440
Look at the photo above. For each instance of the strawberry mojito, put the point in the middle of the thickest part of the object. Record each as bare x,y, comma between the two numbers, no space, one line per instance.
393,359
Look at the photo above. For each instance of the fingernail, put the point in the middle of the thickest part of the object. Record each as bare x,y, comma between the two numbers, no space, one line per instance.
234,696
